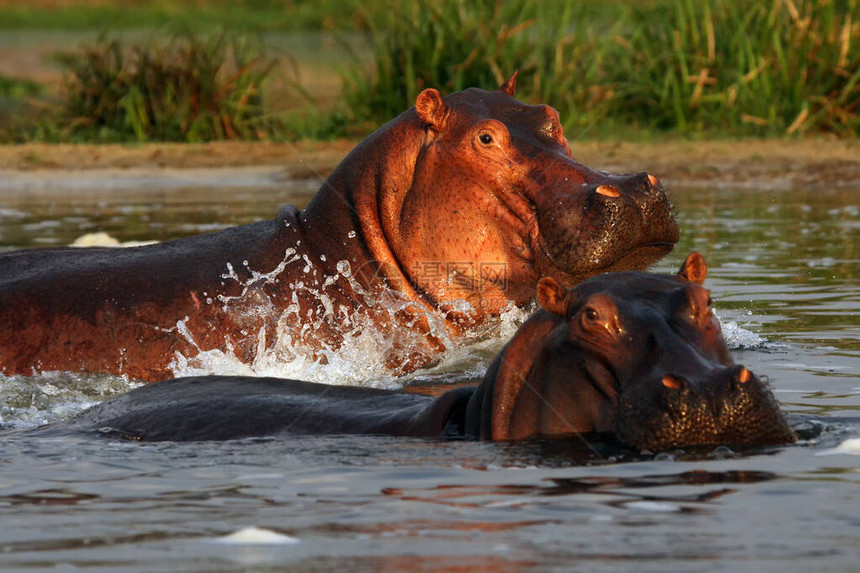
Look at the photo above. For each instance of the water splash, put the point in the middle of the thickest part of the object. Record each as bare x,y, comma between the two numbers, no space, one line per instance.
363,355
739,338
29,401
366,348
848,447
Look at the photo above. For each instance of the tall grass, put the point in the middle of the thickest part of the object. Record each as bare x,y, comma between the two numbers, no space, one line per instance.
197,15
450,45
776,67
190,89
17,96
17,88
729,66
612,68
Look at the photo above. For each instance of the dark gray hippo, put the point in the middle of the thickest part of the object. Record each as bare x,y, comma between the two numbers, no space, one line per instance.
634,356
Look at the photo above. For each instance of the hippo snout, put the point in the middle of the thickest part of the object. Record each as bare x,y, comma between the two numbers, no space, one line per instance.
734,377
640,187
724,391
648,199
727,405
607,223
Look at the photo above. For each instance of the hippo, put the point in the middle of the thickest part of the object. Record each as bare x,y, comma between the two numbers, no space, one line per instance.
426,231
634,357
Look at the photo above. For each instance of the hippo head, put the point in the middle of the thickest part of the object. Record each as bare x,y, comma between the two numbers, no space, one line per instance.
637,355
495,201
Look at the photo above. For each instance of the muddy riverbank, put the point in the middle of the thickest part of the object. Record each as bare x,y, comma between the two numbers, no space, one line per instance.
813,164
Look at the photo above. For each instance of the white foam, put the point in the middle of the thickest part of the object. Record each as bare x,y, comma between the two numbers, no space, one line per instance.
739,338
29,401
102,239
848,447
654,506
256,536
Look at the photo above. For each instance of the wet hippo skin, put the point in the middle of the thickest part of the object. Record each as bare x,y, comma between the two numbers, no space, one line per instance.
432,225
638,357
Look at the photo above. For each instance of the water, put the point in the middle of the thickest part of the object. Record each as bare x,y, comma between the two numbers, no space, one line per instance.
784,274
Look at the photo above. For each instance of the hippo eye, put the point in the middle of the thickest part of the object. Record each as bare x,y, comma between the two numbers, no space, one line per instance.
486,138
591,314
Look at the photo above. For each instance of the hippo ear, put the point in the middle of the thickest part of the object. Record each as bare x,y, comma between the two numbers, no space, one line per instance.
552,296
510,85
431,109
694,269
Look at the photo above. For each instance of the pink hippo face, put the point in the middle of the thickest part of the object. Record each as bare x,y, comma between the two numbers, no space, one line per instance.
497,201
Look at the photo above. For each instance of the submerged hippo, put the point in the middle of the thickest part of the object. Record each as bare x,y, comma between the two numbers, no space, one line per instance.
637,356
433,224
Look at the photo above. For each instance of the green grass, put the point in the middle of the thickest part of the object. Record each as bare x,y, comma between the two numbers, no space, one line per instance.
774,68
725,67
17,97
190,89
239,15
447,45
17,88
613,69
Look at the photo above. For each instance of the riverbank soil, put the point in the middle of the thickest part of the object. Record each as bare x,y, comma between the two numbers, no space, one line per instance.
766,164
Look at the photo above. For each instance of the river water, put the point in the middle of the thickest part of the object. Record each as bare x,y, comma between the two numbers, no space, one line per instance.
784,268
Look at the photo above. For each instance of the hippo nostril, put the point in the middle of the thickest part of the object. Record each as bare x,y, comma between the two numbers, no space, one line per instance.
653,180
744,375
673,382
608,190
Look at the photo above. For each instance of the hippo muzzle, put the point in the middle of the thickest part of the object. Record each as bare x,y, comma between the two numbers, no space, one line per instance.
728,405
606,223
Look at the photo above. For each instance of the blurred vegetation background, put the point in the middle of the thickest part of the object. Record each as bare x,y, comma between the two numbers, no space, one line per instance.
202,70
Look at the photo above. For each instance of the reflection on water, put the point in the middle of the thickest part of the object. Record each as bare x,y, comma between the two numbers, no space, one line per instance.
786,265
784,274
790,255
55,217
